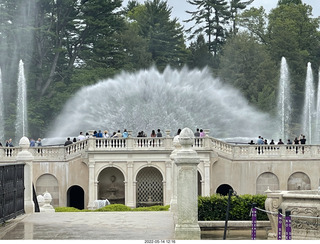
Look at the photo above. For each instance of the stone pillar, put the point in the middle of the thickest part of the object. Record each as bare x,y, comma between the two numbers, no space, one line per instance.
168,183
91,185
206,190
187,159
26,157
173,201
130,186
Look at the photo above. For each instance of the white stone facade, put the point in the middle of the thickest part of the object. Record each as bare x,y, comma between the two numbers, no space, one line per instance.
84,168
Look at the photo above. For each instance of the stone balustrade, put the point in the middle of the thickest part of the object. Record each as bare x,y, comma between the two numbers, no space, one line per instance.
230,151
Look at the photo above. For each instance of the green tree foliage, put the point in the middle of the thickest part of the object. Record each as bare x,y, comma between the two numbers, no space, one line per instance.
164,36
246,65
211,18
199,57
70,35
255,21
235,7
293,34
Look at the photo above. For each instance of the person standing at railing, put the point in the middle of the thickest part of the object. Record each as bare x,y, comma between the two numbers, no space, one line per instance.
260,140
39,143
81,137
32,142
153,133
280,142
303,140
202,134
159,134
68,142
125,133
296,141
9,143
272,142
118,134
99,134
105,134
197,133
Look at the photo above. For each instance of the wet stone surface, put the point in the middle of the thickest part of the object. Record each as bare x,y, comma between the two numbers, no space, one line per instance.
93,226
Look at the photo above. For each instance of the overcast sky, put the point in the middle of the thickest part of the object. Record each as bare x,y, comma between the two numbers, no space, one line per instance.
179,7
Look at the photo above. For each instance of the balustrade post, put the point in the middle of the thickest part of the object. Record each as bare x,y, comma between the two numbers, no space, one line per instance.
26,157
130,143
187,159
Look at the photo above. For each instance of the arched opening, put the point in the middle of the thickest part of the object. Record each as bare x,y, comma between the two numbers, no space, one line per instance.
75,197
149,187
299,181
49,183
199,180
111,185
267,180
224,189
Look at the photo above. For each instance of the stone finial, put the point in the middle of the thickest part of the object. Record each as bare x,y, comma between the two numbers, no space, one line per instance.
47,207
40,200
24,142
47,197
268,190
186,138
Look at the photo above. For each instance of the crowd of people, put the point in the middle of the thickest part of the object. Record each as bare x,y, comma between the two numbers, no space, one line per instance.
124,134
260,141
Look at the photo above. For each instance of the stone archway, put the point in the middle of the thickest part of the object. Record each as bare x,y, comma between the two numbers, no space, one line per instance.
75,197
299,181
49,183
267,180
111,185
223,189
149,187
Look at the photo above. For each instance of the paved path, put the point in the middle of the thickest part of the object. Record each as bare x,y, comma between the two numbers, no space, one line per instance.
91,226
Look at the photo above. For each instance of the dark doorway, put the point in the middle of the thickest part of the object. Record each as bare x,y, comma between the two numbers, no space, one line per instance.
75,197
199,184
224,189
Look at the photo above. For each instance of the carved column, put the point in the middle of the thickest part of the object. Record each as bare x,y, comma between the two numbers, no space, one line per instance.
206,190
187,159
168,185
130,185
91,187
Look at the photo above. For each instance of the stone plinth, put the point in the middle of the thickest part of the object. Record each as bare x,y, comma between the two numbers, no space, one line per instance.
26,157
304,206
186,160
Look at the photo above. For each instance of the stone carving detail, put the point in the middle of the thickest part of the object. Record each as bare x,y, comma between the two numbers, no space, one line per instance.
304,223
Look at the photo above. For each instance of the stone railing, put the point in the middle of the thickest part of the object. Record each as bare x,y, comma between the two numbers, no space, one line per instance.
234,152
276,151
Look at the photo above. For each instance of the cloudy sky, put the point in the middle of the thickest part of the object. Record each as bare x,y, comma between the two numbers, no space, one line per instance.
179,7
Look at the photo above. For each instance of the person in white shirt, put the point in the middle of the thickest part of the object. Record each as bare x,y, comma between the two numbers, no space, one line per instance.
81,137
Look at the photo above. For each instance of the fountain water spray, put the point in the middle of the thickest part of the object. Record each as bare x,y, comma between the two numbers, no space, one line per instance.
148,100
1,111
318,112
309,108
22,118
284,102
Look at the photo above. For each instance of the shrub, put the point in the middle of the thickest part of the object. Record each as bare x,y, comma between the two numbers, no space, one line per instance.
152,208
114,207
67,209
215,206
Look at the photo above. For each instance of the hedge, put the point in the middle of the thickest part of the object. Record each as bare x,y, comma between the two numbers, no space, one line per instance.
114,207
214,207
